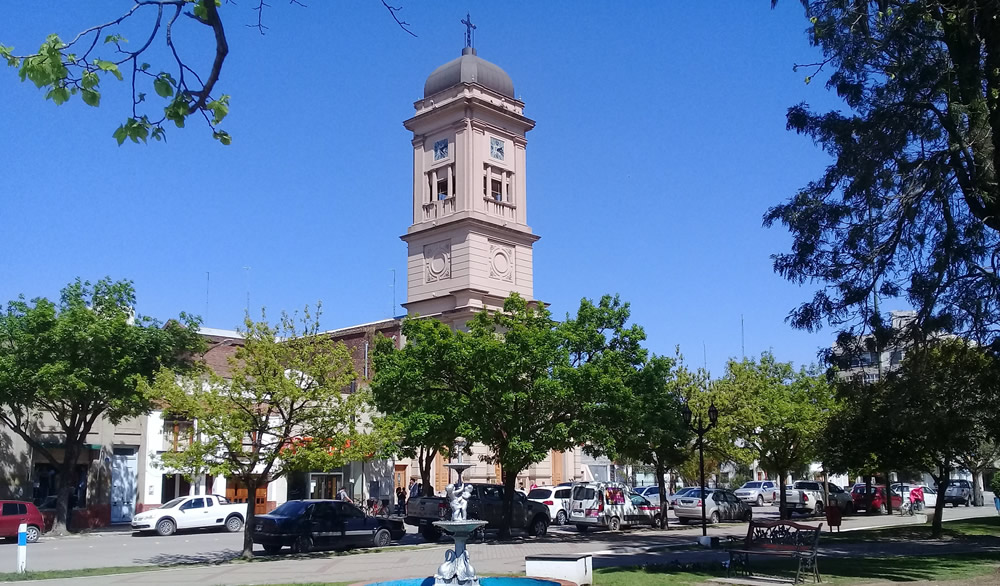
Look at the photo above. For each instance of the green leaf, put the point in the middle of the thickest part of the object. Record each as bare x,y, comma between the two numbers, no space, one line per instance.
219,108
89,80
223,137
115,39
142,98
91,98
144,66
120,135
163,87
109,67
59,95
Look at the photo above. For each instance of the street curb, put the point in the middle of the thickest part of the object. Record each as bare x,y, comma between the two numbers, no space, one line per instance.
643,549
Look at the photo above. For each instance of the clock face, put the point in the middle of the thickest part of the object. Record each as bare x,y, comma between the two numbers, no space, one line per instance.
496,149
441,150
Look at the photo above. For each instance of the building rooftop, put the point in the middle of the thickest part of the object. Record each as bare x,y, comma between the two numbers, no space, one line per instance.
469,68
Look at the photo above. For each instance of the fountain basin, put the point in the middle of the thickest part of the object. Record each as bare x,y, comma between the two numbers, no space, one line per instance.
495,581
460,528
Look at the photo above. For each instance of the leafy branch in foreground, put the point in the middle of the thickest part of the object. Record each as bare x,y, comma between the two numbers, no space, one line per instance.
77,67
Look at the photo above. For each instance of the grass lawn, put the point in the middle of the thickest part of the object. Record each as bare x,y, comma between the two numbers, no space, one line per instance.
964,529
58,574
836,571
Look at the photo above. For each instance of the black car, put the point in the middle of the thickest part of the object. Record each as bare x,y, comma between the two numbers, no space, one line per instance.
314,524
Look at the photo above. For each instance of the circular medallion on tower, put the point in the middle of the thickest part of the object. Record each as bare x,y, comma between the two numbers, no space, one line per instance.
437,261
502,261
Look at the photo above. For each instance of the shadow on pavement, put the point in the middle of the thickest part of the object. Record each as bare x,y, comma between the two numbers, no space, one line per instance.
179,559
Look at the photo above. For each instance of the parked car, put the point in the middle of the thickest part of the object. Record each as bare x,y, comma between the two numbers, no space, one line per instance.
959,492
720,505
645,507
808,497
929,494
556,498
607,504
191,512
652,493
677,495
877,498
306,525
757,492
13,513
486,503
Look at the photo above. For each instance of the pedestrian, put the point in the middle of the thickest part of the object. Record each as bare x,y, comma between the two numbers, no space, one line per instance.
400,500
414,488
342,495
533,486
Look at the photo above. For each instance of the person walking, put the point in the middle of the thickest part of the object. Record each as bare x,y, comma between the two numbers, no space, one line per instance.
342,495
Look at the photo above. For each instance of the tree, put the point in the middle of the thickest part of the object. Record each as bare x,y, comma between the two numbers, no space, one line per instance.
949,398
534,385
910,206
77,67
980,459
285,406
777,413
66,365
649,426
411,387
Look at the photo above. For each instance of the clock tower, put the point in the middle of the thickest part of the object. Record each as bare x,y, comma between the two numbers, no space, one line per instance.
470,244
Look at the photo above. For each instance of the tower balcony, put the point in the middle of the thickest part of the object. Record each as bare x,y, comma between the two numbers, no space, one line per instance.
500,209
439,208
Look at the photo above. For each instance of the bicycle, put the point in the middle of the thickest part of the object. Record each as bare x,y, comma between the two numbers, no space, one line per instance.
374,508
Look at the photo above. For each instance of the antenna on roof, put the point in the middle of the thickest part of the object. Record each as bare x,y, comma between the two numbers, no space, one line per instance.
469,28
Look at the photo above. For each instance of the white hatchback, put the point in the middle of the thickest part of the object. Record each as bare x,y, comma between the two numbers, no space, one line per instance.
556,498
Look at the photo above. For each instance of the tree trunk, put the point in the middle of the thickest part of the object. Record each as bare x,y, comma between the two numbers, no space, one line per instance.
425,462
977,491
868,496
509,481
939,507
71,453
783,512
661,486
248,527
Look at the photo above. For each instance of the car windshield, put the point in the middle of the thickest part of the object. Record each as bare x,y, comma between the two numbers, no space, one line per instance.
752,485
540,493
173,503
290,509
696,493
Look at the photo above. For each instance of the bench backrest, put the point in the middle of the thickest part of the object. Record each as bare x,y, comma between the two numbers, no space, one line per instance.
783,535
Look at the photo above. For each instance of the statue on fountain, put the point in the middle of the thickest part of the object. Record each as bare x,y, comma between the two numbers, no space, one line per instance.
458,498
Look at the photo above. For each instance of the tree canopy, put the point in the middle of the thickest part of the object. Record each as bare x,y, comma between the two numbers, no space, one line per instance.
286,405
66,365
909,207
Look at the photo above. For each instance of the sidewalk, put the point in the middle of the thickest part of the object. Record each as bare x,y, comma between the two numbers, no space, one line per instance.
487,559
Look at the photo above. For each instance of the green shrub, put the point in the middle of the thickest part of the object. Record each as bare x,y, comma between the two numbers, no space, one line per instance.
995,484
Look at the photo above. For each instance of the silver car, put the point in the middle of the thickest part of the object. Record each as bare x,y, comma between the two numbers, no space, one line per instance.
720,505
757,492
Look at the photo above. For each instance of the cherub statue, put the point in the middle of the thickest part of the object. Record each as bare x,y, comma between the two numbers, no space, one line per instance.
458,498
463,501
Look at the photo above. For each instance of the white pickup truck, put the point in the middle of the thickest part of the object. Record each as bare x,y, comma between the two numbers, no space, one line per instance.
192,512
806,496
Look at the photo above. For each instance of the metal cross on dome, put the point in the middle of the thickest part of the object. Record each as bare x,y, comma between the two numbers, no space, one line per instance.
469,27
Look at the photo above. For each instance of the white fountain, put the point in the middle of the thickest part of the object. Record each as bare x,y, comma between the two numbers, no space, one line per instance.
457,570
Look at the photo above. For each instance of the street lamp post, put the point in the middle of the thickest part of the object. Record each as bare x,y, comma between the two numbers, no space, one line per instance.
700,430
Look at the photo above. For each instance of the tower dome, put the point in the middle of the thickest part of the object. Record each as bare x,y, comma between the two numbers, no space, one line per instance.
469,69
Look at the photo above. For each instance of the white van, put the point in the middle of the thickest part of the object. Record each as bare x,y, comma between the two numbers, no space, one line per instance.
607,504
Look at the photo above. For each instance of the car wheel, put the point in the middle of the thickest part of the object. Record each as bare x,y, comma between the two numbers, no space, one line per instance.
272,548
760,500
32,534
849,509
614,523
748,516
714,517
539,527
382,538
657,521
303,544
234,524
430,534
165,527
682,520
881,509
819,508
968,501
561,518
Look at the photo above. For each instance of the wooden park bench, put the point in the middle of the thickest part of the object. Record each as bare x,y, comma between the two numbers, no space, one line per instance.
778,539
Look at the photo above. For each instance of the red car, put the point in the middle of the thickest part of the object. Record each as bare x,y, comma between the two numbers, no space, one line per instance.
13,513
877,497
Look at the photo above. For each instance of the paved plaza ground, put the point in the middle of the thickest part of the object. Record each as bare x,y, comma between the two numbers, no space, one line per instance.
412,557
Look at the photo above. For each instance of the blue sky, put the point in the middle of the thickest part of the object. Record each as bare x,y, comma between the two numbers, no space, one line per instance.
660,142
